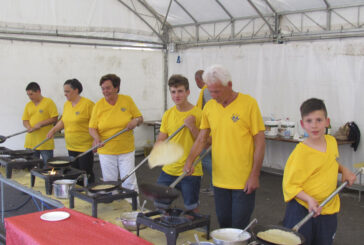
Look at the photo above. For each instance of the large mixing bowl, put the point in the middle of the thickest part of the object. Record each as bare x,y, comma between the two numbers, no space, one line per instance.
230,236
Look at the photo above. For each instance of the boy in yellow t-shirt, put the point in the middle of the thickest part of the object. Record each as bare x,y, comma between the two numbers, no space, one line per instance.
40,113
182,113
310,176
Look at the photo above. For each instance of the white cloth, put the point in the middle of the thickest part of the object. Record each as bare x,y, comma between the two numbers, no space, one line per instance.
112,165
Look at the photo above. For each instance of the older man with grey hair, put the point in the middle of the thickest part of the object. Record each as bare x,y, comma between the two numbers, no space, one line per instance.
237,129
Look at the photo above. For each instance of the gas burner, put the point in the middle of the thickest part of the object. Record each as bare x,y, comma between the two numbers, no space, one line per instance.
172,222
102,197
10,163
60,173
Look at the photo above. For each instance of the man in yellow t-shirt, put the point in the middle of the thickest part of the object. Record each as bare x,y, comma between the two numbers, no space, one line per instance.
39,116
237,129
182,113
110,115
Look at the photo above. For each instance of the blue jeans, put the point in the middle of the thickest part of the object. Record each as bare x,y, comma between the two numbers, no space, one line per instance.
46,154
317,231
207,165
189,186
233,207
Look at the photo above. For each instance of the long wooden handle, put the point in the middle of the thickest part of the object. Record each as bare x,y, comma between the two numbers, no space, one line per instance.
146,158
310,215
193,164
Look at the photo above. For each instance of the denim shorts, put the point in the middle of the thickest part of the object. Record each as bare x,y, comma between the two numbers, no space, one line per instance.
189,186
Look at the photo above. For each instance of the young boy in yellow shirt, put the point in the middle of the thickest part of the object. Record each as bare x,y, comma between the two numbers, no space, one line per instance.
310,176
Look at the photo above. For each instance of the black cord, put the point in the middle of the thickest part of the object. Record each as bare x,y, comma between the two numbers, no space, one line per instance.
20,206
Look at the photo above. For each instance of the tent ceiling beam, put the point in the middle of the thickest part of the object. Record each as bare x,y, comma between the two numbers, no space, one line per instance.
186,11
142,19
270,6
262,16
157,16
225,10
165,18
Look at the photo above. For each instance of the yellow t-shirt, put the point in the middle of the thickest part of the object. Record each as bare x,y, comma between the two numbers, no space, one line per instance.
76,120
110,119
313,172
171,121
36,113
232,131
200,98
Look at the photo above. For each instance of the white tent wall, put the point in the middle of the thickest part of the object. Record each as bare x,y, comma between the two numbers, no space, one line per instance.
282,76
141,74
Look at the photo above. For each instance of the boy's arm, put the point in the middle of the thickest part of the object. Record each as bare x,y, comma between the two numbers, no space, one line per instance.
313,205
190,123
347,175
161,137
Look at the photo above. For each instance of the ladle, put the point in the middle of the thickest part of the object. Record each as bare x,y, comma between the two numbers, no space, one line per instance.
248,226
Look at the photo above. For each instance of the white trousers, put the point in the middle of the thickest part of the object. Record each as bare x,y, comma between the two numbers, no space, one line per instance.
113,165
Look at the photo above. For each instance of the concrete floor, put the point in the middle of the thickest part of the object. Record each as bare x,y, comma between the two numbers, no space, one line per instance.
269,207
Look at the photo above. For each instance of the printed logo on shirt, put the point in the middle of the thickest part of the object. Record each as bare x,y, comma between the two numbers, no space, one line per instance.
123,109
77,113
235,118
40,111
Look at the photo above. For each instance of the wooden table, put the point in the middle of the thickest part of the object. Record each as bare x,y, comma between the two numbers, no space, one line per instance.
156,124
77,229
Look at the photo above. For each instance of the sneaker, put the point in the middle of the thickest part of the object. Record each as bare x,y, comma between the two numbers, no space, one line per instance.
208,191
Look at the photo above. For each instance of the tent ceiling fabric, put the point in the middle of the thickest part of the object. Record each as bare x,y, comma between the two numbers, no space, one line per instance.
187,22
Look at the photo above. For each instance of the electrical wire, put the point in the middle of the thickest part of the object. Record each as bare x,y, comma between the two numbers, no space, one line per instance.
19,207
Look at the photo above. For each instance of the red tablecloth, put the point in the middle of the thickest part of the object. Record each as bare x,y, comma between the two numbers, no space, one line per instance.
77,229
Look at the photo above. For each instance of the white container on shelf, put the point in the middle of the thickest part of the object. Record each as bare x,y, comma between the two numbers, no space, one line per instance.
271,128
287,129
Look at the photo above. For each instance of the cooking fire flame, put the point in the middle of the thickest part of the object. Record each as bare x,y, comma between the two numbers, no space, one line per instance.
52,172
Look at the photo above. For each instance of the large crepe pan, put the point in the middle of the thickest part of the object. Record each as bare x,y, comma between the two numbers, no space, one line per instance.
146,158
27,152
112,186
66,160
162,193
295,229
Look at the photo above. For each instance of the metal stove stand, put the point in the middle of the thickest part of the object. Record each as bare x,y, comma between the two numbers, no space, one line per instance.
66,173
172,230
96,198
11,162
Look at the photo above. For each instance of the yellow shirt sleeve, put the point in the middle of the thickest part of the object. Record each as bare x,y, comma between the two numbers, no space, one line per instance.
200,98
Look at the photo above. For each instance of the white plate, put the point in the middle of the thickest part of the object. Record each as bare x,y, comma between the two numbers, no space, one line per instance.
55,216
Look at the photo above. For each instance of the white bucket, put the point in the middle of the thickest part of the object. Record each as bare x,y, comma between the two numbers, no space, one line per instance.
271,128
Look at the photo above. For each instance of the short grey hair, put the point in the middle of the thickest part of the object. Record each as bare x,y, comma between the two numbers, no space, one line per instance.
216,73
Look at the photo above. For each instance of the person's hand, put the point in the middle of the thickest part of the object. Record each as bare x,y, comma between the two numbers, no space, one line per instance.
314,206
190,121
97,142
132,124
348,176
36,126
50,134
189,169
252,184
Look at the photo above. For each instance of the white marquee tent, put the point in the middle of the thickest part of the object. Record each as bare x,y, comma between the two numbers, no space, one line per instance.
279,51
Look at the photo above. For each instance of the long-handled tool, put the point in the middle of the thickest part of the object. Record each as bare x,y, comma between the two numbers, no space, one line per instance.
64,161
146,158
162,193
310,215
4,138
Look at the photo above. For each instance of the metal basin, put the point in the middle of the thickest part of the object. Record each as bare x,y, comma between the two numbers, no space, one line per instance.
128,219
62,187
230,236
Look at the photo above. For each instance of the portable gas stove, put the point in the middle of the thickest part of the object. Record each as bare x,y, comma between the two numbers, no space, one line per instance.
11,162
52,174
173,221
102,197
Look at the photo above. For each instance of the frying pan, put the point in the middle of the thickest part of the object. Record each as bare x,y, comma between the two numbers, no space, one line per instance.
68,160
4,138
145,159
27,152
166,194
113,185
295,229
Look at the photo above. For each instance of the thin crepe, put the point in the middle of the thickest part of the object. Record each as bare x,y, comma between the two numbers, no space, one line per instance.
165,153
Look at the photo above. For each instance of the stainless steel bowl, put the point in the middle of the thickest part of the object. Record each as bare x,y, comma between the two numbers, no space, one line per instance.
230,236
128,219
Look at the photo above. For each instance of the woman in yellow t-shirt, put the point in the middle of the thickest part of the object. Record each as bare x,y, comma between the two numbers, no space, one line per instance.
112,114
75,119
